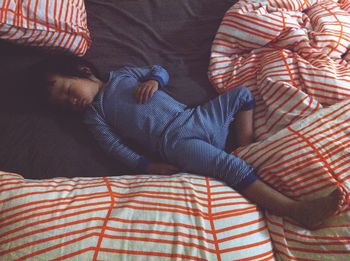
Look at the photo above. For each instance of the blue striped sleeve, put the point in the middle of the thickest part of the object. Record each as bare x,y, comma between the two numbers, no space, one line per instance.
159,74
155,72
111,143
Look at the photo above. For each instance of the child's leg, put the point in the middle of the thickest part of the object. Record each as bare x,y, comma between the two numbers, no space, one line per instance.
233,106
242,128
309,213
197,156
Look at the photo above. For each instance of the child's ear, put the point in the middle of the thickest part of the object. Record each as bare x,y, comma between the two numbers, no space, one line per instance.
86,71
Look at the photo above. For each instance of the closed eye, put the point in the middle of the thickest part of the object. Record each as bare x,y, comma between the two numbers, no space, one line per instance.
68,92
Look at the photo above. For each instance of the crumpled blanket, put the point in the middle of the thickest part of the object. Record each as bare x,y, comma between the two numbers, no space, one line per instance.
293,55
295,58
308,160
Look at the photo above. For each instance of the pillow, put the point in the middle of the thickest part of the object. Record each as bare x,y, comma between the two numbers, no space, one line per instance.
46,23
128,218
308,160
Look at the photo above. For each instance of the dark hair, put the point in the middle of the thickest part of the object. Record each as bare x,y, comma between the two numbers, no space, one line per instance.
66,65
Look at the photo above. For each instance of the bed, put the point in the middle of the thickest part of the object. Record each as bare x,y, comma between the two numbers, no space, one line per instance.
62,198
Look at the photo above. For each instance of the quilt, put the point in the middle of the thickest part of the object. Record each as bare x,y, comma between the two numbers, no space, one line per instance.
294,56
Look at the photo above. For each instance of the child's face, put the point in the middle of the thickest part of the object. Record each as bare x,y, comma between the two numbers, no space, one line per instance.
73,92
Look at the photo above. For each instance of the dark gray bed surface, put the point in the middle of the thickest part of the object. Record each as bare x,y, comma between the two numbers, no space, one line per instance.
40,143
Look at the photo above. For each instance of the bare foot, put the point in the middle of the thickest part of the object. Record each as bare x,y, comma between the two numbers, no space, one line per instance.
312,214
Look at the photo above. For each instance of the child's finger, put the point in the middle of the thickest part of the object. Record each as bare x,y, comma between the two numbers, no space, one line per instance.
142,94
138,92
147,94
151,91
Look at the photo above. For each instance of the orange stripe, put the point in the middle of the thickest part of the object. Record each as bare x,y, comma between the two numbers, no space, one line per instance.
67,7
62,217
65,207
111,207
335,241
59,18
36,204
314,148
35,12
289,257
234,213
336,130
88,220
47,42
55,13
44,239
3,12
161,223
144,253
160,233
245,234
31,215
268,256
246,246
301,234
24,186
15,17
266,37
340,34
255,21
316,251
329,117
47,14
238,226
211,219
38,230
20,17
27,15
174,234
47,249
162,241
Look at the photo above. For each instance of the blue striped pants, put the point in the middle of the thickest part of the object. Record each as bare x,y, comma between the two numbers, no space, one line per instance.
195,141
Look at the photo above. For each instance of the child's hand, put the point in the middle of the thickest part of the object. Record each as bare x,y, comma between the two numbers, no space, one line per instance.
146,90
161,168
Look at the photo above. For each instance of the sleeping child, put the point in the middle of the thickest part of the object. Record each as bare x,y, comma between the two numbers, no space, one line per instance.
131,109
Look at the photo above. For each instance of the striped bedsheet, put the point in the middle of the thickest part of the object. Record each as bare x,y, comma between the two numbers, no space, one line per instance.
293,55
308,160
179,217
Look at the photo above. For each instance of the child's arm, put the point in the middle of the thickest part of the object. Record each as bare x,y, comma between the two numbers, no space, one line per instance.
112,144
151,79
142,74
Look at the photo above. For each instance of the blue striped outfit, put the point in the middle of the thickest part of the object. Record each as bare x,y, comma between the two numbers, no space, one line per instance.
193,139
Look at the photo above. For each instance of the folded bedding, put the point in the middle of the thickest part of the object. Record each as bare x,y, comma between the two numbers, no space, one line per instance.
293,55
54,25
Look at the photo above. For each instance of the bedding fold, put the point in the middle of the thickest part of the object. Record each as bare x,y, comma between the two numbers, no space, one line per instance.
293,55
